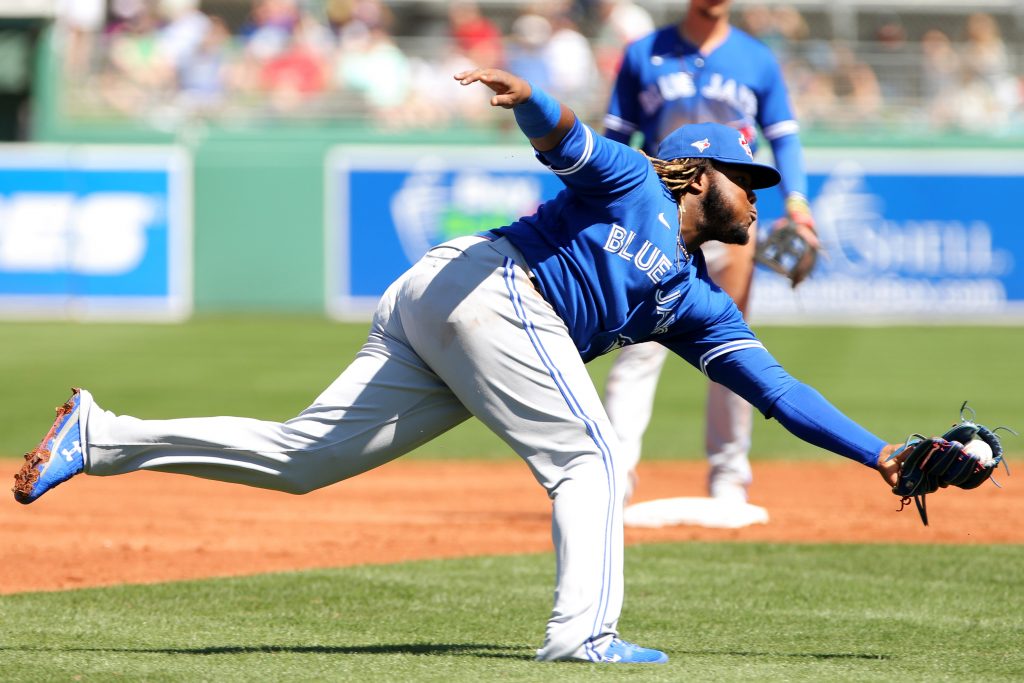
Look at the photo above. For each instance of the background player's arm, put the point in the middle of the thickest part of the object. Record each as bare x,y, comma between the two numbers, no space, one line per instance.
789,158
622,119
779,125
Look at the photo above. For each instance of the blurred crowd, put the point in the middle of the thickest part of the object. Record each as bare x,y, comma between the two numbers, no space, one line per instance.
174,60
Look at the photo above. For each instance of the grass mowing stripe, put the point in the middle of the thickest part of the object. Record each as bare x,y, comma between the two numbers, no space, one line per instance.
723,612
894,380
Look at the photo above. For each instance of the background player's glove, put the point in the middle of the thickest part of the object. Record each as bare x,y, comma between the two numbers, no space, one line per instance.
965,456
787,252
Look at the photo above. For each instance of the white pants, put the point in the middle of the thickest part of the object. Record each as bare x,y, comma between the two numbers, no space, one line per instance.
462,333
629,399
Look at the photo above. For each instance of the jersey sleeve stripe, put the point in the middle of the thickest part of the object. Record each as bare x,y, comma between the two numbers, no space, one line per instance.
588,150
619,125
729,347
781,129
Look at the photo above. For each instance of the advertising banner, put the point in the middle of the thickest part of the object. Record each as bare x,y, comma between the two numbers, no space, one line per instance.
908,234
387,206
95,232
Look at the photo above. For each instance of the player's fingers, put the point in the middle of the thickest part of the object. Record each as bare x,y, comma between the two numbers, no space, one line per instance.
807,232
505,101
888,465
468,76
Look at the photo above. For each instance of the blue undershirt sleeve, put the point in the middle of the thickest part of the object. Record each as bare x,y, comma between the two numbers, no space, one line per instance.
806,413
789,159
538,115
754,374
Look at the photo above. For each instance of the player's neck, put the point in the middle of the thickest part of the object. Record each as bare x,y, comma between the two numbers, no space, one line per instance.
705,32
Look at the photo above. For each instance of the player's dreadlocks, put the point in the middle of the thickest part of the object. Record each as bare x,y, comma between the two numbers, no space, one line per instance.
677,175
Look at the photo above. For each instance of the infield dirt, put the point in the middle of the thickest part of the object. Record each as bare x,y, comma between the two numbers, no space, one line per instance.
148,527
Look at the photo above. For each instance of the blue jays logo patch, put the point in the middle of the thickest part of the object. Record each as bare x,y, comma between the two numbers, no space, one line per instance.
701,145
746,146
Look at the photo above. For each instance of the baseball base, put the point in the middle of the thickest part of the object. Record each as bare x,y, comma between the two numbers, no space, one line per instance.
705,512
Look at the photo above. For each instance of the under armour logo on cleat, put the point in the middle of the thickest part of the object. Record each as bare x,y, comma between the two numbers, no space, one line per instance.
68,453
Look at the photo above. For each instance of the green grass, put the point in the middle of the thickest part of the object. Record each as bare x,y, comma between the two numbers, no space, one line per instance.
894,380
724,612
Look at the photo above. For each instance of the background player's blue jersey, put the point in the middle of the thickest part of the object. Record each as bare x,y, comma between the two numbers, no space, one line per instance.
605,253
666,82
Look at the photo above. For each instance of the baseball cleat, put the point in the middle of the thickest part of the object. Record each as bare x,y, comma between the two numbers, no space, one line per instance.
57,458
622,652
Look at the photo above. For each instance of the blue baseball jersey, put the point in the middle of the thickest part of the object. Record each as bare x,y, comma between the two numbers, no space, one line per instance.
605,254
666,82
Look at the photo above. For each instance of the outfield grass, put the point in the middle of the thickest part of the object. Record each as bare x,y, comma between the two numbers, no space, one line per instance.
894,380
723,612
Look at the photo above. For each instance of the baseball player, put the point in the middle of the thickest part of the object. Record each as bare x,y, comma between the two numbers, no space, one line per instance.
499,326
703,69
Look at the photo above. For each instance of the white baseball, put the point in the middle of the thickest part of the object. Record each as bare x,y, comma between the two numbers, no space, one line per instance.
980,450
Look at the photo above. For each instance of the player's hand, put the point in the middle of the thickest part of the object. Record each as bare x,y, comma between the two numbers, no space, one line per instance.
509,90
890,468
798,213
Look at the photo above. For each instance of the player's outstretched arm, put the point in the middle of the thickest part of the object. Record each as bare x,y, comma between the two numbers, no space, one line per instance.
544,120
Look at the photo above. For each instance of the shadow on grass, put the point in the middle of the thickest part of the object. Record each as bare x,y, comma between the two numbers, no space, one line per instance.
481,650
797,655
467,649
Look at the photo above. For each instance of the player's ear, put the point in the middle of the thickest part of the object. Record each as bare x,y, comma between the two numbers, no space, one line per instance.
701,179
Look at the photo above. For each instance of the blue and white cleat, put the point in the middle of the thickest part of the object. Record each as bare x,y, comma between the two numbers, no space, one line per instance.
57,458
623,652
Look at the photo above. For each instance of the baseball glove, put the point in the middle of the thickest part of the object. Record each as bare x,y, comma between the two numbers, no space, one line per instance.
786,252
965,456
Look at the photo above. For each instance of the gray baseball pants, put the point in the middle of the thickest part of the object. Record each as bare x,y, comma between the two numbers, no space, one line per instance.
462,333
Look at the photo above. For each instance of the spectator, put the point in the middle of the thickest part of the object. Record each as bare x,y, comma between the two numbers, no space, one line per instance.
574,76
137,75
989,81
203,79
795,40
476,35
182,34
940,78
984,50
858,95
296,76
621,22
374,67
436,99
759,21
269,31
354,18
528,49
893,63
78,22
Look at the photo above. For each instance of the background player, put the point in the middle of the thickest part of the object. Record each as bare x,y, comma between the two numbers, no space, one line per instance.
499,326
703,69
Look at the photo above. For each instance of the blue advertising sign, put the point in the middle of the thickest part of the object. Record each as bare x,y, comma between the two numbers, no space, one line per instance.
908,234
95,232
386,206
